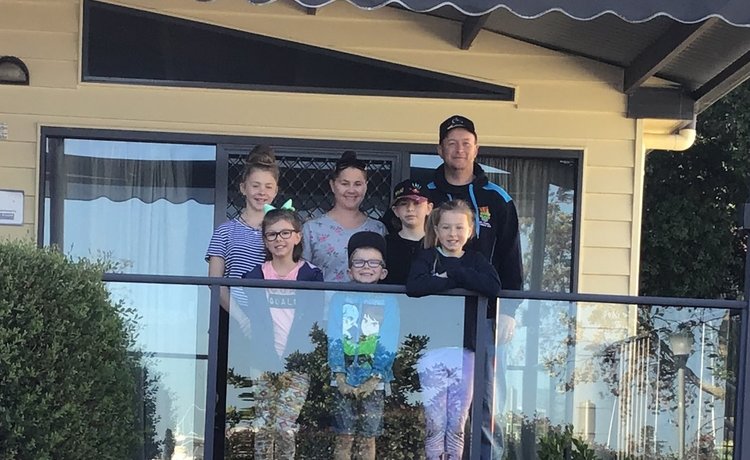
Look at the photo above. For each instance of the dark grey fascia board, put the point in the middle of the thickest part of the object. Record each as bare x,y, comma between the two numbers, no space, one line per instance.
661,103
724,82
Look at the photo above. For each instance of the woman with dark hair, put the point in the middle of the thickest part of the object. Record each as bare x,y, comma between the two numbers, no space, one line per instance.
326,237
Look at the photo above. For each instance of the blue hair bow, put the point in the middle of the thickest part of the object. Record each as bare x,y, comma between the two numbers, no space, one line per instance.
287,205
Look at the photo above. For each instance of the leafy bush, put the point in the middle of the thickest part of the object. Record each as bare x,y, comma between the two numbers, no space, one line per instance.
67,386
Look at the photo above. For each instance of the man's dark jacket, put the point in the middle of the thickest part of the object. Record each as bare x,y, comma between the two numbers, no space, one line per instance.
495,221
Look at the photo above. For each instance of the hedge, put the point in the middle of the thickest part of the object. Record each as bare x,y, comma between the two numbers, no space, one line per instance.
67,386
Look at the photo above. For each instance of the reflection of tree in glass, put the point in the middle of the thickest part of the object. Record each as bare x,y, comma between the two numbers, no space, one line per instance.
554,323
650,367
146,418
403,434
539,438
557,326
148,390
657,323
558,243
169,444
556,230
643,366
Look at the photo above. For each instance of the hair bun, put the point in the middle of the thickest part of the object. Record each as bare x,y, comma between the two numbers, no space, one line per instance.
261,155
349,160
349,155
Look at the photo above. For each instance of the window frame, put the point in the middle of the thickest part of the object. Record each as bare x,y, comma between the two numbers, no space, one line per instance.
554,154
226,143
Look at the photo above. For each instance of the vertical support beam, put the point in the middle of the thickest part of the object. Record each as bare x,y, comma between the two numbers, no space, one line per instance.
681,412
218,330
209,443
742,409
529,398
42,190
58,178
470,28
480,375
216,387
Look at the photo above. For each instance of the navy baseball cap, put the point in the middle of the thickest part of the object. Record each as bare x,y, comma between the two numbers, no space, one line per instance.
456,121
366,240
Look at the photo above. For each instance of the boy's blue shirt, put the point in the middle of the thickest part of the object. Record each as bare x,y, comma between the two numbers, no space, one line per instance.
363,331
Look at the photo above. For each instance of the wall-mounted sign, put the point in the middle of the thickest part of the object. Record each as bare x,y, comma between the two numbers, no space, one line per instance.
11,207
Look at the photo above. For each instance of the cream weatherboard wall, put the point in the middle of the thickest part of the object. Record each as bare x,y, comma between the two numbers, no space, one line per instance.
562,102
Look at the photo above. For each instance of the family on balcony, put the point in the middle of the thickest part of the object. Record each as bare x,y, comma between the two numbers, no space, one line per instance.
458,231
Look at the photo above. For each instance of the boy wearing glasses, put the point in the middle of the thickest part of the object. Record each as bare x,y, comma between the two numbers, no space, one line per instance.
363,330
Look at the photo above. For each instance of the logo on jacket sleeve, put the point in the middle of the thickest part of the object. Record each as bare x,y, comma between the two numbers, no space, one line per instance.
484,216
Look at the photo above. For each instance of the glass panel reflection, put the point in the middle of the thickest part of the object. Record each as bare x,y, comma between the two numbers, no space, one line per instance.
346,373
609,379
170,328
614,377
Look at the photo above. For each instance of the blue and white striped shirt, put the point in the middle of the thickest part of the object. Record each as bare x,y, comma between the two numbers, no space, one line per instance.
240,245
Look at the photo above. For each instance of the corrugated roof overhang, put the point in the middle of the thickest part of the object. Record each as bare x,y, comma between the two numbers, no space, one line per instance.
701,48
735,12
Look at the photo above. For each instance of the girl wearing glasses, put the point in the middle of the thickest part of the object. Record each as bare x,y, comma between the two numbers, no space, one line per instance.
281,320
446,374
326,237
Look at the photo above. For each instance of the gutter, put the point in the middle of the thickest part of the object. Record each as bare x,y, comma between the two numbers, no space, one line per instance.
679,142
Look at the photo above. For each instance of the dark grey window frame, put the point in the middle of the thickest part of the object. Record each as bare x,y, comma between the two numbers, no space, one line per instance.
226,143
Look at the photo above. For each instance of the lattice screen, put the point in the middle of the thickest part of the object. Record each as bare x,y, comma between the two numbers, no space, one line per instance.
304,178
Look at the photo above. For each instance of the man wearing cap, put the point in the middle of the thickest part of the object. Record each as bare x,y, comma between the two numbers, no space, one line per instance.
496,228
411,206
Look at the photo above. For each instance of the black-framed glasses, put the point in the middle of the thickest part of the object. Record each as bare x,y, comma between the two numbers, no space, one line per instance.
284,234
372,263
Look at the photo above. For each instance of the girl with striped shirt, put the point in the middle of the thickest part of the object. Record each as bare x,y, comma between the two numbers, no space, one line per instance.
237,246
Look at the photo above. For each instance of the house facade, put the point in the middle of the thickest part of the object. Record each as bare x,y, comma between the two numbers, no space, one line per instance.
561,103
128,139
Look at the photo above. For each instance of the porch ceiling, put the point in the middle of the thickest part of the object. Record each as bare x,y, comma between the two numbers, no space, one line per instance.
700,47
703,61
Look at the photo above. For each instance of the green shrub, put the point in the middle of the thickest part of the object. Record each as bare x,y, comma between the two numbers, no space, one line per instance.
67,389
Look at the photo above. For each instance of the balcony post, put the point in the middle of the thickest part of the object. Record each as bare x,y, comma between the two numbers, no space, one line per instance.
742,409
216,385
480,376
